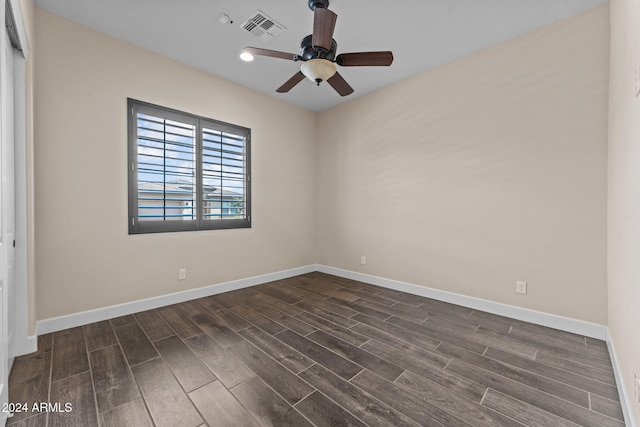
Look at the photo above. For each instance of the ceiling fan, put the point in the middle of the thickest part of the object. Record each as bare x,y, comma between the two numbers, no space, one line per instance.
318,53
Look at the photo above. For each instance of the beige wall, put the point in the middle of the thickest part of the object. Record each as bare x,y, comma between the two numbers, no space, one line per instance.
624,192
479,173
467,178
85,258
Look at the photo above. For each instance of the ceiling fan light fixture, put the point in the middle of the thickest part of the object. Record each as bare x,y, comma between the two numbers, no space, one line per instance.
318,69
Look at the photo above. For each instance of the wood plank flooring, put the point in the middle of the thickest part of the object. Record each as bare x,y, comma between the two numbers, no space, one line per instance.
315,350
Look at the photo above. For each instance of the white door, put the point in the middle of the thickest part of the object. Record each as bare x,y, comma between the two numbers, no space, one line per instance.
8,188
7,217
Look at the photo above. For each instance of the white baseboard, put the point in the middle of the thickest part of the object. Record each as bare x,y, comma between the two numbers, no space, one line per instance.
625,399
545,319
562,323
26,346
78,319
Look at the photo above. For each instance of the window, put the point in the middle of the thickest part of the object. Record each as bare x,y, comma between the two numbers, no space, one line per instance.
186,172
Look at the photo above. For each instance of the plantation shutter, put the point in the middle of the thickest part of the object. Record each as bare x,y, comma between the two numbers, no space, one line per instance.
187,172
224,171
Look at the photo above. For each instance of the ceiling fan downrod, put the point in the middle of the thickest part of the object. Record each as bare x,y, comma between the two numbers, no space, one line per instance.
324,4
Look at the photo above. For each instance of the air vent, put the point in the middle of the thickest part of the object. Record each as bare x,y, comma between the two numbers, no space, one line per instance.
262,26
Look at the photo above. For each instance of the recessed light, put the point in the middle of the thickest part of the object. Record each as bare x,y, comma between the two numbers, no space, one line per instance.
246,56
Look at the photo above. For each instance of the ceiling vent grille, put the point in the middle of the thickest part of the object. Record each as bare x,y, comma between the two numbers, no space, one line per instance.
262,26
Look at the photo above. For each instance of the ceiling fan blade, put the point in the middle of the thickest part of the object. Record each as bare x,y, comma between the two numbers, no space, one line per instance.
267,52
340,85
324,22
289,84
374,59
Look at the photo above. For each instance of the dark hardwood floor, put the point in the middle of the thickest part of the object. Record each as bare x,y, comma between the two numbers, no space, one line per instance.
315,350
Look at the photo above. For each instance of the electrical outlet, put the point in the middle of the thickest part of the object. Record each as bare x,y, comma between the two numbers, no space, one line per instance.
182,274
521,287
363,260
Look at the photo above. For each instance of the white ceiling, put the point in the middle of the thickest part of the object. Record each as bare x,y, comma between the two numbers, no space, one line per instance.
422,34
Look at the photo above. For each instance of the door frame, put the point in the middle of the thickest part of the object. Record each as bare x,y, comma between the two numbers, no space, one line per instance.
22,342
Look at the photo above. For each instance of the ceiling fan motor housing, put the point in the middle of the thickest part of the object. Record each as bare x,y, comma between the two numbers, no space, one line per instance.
318,3
307,51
